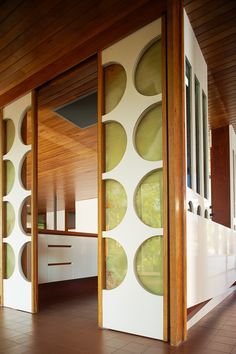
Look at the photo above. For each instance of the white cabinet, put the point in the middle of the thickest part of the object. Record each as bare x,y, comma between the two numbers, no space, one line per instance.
66,257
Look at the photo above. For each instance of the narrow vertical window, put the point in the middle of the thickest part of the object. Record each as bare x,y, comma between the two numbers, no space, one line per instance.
197,132
188,122
205,143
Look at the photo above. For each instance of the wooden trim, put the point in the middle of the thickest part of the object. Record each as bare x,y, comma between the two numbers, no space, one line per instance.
59,264
101,242
176,172
59,246
66,233
34,203
1,205
165,184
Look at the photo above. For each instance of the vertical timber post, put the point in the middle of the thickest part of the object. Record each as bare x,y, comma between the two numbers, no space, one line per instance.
176,173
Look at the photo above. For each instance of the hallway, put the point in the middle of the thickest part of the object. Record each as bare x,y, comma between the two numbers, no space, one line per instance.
69,327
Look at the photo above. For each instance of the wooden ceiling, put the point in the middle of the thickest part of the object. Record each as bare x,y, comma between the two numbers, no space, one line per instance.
40,39
214,24
67,155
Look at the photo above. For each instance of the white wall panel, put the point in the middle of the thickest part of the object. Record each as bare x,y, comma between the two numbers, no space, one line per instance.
211,259
129,307
17,290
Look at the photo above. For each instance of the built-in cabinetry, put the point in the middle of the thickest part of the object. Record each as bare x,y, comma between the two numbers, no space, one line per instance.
66,257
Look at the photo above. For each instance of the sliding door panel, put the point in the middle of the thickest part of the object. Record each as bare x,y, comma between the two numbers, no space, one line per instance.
133,216
19,204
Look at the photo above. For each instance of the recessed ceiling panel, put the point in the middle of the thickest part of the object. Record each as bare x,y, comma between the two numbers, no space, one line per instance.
82,112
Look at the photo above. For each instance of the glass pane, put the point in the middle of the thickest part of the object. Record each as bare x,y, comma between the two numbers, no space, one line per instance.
26,129
148,137
8,260
205,144
149,265
148,72
197,132
9,217
26,171
26,261
9,176
116,142
188,109
114,85
116,203
116,264
9,134
148,199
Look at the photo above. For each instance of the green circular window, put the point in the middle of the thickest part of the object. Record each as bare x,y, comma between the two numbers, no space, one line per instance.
148,136
149,265
9,130
148,199
116,203
26,129
10,218
26,217
26,261
116,263
8,260
114,85
116,142
9,176
148,72
26,171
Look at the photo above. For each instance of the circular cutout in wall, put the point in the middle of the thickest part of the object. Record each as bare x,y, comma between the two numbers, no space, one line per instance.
9,133
116,141
26,261
148,135
26,171
149,265
116,263
9,219
149,199
149,70
114,86
9,176
8,261
26,128
26,215
116,203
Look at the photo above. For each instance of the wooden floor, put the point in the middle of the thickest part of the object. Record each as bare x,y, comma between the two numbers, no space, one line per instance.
69,327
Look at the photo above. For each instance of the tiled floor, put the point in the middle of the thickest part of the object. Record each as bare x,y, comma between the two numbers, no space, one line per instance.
71,328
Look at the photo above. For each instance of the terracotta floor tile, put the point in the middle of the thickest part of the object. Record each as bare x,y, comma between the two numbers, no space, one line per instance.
220,347
137,348
70,327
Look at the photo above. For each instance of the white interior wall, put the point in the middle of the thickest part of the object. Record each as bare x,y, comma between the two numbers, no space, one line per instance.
50,220
86,213
61,220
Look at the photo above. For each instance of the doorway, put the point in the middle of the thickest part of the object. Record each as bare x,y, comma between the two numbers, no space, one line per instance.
67,186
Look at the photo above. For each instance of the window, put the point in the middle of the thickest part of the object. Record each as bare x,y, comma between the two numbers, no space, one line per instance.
188,121
205,145
197,132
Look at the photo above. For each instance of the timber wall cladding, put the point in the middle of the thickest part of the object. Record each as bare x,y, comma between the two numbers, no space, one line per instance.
41,40
16,286
133,184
